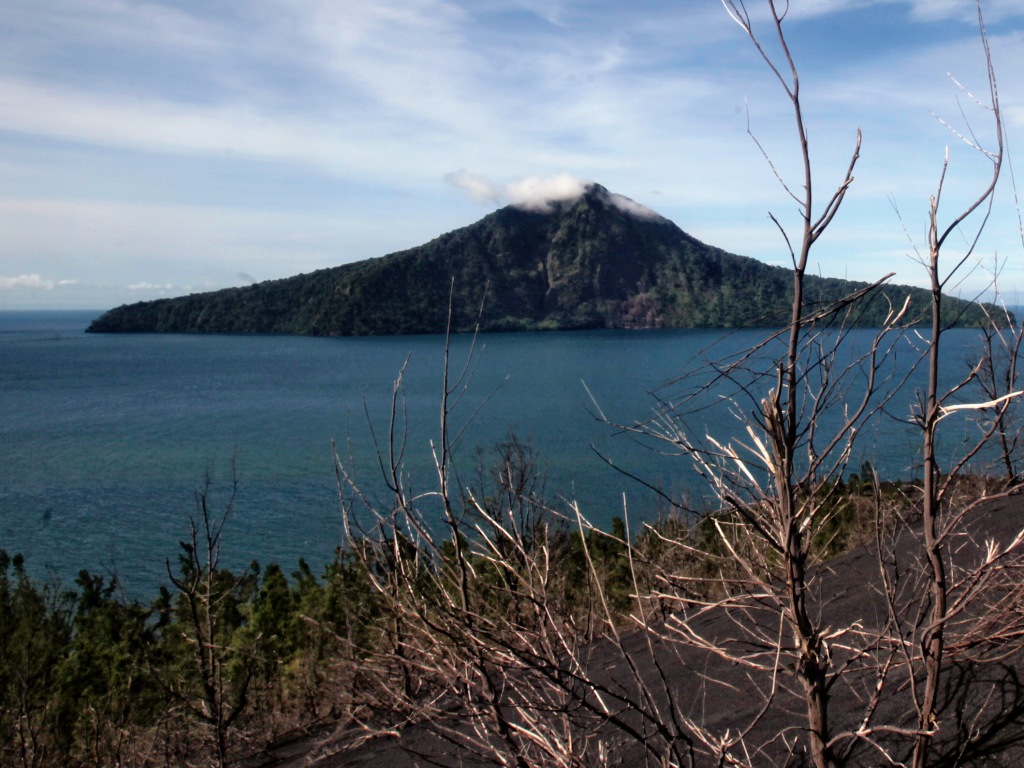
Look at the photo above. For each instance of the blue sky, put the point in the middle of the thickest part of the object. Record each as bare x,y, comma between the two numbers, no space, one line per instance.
159,148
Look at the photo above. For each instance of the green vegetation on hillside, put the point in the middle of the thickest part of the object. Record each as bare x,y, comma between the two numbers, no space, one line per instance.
587,264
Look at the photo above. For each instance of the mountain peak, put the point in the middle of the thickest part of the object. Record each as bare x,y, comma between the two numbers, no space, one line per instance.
595,192
568,192
586,258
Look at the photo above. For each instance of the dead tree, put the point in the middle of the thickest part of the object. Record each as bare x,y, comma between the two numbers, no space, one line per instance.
943,518
484,649
801,404
776,485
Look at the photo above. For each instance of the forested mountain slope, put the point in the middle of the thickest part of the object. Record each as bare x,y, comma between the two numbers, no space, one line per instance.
601,261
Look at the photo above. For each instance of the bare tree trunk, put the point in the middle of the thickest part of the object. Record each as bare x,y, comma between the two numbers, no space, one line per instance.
780,417
937,529
934,632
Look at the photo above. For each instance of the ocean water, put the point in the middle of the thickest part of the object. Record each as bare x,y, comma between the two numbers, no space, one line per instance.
104,439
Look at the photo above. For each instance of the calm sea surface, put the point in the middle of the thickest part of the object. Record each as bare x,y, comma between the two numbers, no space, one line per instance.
105,438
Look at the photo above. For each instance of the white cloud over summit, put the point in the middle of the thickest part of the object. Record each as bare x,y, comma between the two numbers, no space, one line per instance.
533,193
536,193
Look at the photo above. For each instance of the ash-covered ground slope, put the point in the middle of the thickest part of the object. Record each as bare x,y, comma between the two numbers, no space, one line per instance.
981,713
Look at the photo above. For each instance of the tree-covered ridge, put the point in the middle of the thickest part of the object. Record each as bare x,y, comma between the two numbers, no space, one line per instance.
585,264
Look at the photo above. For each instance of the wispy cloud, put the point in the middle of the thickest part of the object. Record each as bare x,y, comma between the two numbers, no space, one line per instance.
155,143
479,188
32,281
942,10
919,10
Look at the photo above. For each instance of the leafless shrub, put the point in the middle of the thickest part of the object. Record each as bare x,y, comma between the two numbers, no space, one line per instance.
490,643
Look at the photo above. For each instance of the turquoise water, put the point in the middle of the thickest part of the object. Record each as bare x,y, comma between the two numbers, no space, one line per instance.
105,438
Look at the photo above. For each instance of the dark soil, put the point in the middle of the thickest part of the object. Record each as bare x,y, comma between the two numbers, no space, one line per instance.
981,722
